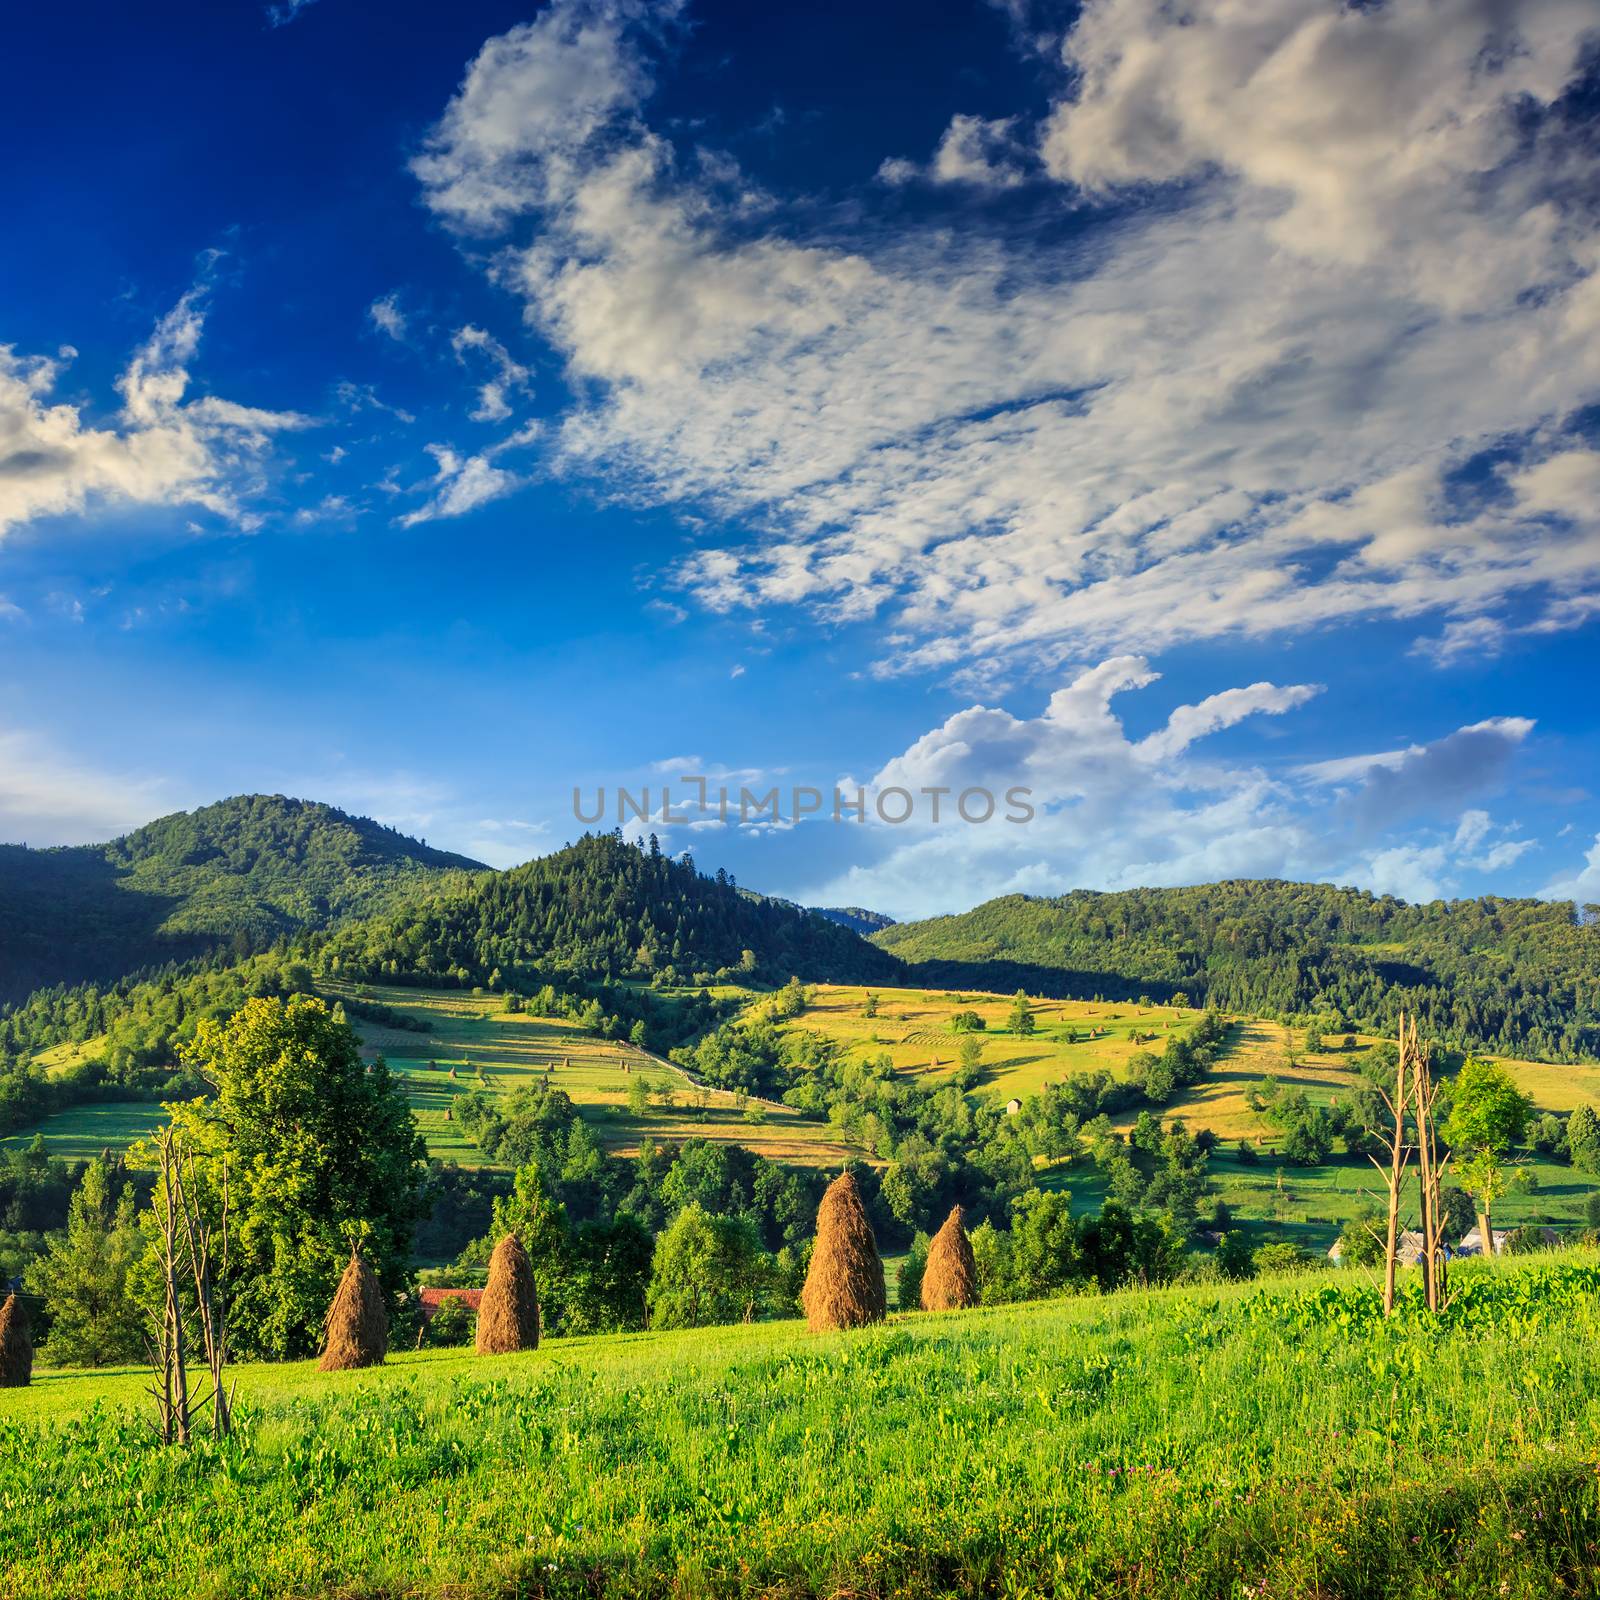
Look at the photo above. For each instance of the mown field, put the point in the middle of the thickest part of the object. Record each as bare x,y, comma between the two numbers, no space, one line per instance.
1261,1440
489,1048
912,1027
492,1049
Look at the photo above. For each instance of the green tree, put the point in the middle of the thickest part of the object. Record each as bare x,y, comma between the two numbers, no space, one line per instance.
707,1270
1488,1115
1583,1138
908,1289
321,1148
1021,1017
84,1276
639,1096
1234,1260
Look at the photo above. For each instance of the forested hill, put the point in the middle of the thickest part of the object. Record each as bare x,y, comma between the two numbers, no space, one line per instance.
233,876
602,908
1515,976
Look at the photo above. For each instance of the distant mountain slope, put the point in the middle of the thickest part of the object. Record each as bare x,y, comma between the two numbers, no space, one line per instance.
236,874
855,917
604,908
1517,976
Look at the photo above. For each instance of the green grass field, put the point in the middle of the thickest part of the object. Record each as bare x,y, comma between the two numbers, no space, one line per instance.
81,1132
1208,1442
473,1035
912,1027
490,1048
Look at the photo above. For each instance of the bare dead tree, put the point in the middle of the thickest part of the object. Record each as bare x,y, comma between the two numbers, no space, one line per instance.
1430,1177
191,1246
171,1389
207,1243
1399,1155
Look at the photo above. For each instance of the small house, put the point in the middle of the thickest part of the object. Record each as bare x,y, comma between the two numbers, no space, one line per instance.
1013,1106
1472,1243
430,1300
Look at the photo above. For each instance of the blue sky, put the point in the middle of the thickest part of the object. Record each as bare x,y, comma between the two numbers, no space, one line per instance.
435,409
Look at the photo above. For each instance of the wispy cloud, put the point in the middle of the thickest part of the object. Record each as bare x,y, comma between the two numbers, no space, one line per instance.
1337,252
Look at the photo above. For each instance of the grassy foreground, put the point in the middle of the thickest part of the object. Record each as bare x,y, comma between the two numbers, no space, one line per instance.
1235,1442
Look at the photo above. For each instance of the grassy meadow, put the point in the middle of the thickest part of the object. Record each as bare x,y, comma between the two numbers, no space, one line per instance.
488,1047
1230,1442
492,1049
912,1027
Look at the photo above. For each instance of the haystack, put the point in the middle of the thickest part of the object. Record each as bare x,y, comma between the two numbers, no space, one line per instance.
950,1279
357,1325
16,1348
844,1286
508,1314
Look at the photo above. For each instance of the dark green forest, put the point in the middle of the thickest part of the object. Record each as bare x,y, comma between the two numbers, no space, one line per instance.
602,908
1519,977
232,877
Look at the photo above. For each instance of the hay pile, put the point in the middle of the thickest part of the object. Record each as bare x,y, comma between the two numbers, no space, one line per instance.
16,1348
508,1314
844,1286
357,1326
950,1279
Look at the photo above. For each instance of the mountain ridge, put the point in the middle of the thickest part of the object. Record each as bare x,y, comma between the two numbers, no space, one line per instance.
236,874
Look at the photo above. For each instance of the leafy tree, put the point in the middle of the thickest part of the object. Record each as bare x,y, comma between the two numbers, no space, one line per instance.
1488,1115
1360,1239
1021,1017
1591,1210
638,1096
908,1292
1045,1255
707,1270
967,1022
870,1009
1279,1255
1234,1260
85,1276
320,1148
1583,1138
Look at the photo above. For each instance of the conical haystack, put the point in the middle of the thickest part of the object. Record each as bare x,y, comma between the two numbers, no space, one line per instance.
16,1348
950,1279
357,1325
508,1314
844,1286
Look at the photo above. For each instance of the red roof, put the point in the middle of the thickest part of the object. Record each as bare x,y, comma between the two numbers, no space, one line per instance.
432,1299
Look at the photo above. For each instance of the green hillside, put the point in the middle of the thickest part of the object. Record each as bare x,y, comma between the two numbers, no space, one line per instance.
1515,976
1217,1442
603,908
236,875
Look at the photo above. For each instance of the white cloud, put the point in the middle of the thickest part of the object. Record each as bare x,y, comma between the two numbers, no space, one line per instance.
977,152
48,798
161,449
1584,885
387,317
1237,407
508,373
286,11
1116,813
461,484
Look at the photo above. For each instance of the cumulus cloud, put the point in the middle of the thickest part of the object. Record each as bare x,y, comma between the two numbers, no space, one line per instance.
161,448
1584,885
1339,251
1114,812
